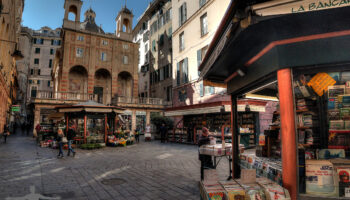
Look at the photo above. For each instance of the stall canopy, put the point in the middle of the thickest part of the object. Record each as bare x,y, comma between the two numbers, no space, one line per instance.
89,106
56,116
291,40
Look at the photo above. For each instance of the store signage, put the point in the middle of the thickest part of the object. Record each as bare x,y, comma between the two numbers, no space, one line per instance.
16,108
299,6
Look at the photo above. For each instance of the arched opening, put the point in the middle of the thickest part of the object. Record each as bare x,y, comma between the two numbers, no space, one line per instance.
125,84
72,13
126,25
103,86
78,82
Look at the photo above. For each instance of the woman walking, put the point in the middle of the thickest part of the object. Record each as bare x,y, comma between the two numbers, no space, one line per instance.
60,136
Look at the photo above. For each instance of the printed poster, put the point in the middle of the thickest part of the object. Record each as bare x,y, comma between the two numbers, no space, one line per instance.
320,83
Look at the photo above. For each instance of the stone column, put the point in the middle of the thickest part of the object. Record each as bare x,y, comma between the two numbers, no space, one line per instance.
133,121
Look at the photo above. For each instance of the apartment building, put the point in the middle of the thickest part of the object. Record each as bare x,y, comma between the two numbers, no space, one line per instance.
45,42
194,24
153,33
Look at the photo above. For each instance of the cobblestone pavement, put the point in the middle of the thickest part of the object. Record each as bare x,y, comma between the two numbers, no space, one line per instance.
148,170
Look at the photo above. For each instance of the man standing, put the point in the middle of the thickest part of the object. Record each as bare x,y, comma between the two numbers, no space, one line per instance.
206,161
70,137
163,131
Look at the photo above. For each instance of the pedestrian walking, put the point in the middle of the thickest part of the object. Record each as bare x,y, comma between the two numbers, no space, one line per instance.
206,161
70,137
137,134
37,130
163,130
59,139
6,132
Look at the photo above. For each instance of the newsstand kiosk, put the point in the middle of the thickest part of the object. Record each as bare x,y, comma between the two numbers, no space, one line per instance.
306,67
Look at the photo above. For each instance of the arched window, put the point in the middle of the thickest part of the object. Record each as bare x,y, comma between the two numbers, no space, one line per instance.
72,13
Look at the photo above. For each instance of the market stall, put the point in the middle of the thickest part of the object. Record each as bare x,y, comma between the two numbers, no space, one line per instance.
92,121
302,64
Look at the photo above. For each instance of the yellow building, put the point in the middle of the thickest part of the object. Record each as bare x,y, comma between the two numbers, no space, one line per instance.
10,20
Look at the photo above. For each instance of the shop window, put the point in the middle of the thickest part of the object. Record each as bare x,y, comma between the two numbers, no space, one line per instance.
204,24
37,50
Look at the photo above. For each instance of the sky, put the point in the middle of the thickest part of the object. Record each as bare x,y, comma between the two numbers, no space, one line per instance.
39,13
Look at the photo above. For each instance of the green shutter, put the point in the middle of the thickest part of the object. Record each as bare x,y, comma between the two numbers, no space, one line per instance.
185,70
199,56
178,74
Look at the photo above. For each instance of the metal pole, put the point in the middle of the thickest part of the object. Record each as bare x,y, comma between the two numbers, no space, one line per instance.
289,150
234,130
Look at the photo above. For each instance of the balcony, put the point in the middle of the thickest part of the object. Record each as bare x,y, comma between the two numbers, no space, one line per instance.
64,97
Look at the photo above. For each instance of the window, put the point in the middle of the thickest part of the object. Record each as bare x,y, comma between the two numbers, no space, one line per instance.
80,52
200,54
201,89
170,32
153,45
38,41
38,82
56,42
103,56
182,14
209,90
31,71
146,48
48,83
30,81
37,50
154,27
169,93
80,38
168,16
125,60
52,51
50,63
182,72
182,41
161,76
202,2
36,61
104,42
204,25
161,22
38,71
125,46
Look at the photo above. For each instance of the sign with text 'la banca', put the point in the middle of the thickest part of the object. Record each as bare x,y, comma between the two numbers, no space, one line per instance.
15,108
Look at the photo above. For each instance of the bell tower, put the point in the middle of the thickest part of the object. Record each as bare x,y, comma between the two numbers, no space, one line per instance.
124,24
74,7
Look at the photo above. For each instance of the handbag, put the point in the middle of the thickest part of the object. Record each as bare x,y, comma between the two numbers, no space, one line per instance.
64,140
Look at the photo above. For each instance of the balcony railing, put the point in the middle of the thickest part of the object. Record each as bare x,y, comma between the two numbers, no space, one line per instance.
70,96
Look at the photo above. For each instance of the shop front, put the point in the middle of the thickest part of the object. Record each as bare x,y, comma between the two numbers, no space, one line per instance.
300,69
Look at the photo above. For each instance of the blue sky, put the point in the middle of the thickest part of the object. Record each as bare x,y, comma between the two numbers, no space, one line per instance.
39,13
